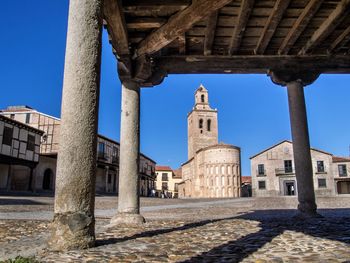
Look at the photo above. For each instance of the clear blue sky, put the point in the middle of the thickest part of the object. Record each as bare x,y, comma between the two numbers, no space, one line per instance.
253,112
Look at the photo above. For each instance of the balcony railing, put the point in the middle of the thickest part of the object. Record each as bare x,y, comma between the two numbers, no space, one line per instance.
320,170
282,171
115,160
261,173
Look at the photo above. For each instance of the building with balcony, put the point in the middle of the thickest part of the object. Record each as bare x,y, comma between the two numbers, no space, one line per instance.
167,182
107,173
19,154
273,172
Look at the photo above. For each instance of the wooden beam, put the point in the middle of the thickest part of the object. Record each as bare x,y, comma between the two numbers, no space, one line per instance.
342,38
210,33
148,8
271,25
182,44
145,23
251,64
178,24
244,13
299,26
114,17
327,27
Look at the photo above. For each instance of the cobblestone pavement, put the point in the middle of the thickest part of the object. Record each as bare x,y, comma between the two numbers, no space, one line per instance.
215,231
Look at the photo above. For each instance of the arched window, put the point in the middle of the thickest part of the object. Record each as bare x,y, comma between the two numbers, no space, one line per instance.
208,124
201,124
202,98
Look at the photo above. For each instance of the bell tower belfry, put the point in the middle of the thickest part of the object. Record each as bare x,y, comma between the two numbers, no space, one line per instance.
202,123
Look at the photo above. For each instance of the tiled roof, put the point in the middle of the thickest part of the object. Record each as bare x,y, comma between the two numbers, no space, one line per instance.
163,168
247,179
339,159
20,124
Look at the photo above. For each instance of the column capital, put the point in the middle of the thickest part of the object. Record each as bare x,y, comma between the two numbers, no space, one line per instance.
283,77
131,84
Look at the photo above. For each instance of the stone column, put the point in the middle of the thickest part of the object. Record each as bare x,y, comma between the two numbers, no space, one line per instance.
73,225
129,180
300,136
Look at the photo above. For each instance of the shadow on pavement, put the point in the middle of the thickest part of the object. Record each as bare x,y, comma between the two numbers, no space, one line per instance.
333,226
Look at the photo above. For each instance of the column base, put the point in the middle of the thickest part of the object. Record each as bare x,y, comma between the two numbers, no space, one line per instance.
72,231
307,210
127,219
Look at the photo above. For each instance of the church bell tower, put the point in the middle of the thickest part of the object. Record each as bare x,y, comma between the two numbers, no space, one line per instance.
202,123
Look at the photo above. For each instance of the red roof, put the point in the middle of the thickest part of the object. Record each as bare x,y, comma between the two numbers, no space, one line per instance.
163,168
247,179
338,159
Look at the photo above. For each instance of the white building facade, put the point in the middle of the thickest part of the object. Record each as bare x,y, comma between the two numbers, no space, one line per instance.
167,182
273,172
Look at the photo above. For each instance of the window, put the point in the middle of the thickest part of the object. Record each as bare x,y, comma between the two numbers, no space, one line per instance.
322,183
208,124
202,98
176,187
320,167
164,177
115,151
164,186
261,169
27,117
101,150
342,170
109,179
201,124
115,155
288,168
262,185
7,137
31,143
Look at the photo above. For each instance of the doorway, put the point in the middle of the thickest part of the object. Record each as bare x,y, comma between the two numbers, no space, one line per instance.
47,179
343,187
289,188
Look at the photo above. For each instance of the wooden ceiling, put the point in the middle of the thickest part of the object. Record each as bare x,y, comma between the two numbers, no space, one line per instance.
152,38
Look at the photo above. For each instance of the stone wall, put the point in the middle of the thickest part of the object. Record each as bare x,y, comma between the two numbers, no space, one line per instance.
213,172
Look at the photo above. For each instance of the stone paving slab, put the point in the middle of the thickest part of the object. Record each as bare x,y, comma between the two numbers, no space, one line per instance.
220,231
228,240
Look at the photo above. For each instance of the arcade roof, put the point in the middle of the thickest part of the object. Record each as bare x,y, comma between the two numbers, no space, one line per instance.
152,38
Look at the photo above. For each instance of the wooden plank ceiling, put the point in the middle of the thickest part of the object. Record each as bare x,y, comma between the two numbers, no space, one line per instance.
224,36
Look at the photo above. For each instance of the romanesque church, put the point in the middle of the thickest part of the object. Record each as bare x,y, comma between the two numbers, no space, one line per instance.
213,169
